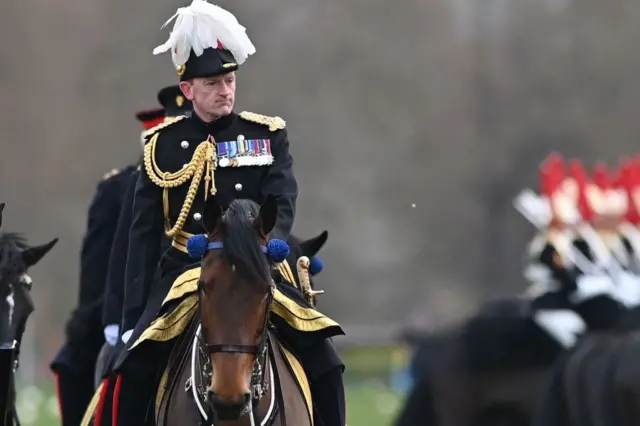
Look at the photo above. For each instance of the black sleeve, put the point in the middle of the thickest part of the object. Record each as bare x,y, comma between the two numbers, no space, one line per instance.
281,182
145,236
94,256
114,291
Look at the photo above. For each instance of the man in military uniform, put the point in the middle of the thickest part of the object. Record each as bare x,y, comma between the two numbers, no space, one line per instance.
74,363
597,298
550,268
215,151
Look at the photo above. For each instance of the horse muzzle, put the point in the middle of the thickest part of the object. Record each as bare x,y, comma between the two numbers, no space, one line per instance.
227,410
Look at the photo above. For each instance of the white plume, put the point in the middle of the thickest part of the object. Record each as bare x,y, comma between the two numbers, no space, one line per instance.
200,26
534,208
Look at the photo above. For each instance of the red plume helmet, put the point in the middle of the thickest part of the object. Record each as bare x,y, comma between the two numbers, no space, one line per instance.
559,190
578,172
628,181
551,174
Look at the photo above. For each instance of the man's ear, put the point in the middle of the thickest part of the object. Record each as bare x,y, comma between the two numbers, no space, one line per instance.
186,87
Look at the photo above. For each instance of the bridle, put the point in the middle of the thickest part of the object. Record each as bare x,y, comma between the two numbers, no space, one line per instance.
259,384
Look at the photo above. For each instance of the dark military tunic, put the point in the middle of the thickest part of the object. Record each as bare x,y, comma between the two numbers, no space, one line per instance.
114,289
85,324
171,149
75,362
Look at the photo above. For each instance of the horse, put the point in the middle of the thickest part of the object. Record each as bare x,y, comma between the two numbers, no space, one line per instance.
487,369
230,367
597,382
298,248
16,257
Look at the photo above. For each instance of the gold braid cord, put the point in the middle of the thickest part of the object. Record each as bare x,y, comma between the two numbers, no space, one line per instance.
202,159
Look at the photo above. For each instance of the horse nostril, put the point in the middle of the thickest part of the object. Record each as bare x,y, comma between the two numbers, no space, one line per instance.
247,396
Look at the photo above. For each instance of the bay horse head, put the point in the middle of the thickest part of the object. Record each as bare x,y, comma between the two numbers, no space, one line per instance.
236,291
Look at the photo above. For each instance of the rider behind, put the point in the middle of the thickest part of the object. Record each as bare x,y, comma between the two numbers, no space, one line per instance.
74,363
187,159
600,247
629,287
551,253
174,104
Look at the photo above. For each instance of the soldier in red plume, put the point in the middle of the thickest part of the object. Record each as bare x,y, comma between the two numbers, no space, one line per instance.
595,297
551,266
624,242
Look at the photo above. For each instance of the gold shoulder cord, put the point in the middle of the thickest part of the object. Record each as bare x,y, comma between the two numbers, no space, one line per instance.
202,159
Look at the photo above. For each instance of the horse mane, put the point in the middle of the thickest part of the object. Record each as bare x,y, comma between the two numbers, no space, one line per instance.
240,245
12,244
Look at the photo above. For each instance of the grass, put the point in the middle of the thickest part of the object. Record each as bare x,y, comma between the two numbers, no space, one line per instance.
369,404
370,399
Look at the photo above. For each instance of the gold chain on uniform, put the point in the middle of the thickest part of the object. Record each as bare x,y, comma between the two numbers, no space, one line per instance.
203,158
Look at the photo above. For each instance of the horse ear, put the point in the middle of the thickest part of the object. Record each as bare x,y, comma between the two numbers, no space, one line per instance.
212,214
312,246
1,209
32,255
268,214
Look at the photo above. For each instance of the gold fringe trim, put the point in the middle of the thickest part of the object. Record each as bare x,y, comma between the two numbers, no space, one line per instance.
298,317
301,378
184,285
187,282
170,326
93,405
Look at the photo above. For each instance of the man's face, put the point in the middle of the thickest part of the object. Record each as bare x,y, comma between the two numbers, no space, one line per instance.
212,97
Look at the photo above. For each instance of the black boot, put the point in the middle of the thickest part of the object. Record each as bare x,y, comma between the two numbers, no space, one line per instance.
132,400
74,395
6,379
329,399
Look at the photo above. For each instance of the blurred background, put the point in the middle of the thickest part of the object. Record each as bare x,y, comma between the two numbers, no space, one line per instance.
413,125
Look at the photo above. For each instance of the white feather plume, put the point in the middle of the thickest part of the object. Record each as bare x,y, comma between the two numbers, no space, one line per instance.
200,26
534,208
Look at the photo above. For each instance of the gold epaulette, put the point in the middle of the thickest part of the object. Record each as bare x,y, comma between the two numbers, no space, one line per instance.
169,121
274,123
112,173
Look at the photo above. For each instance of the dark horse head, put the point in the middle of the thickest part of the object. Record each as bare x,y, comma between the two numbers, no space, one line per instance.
236,291
16,257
